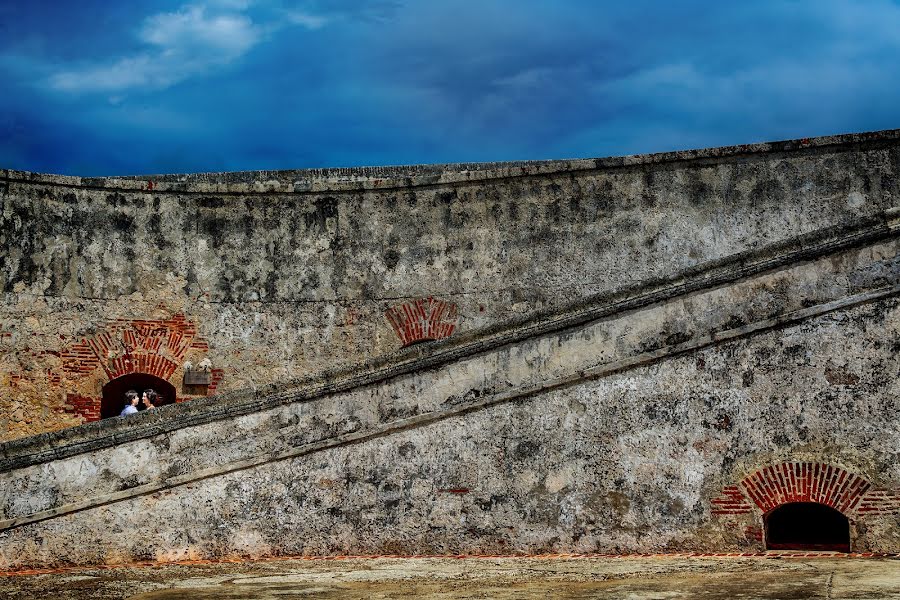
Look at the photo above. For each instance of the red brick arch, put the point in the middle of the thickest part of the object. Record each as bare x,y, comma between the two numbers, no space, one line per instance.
133,346
774,485
128,346
423,319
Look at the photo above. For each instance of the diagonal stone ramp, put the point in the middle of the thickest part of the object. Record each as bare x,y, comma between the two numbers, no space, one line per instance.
60,473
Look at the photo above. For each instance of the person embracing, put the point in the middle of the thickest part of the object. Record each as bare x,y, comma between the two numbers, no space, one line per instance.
150,399
131,402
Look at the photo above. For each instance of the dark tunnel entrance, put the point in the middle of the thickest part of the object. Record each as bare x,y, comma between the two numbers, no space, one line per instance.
807,526
114,392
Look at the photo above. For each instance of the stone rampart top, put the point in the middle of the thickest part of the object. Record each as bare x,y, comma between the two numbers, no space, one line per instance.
392,177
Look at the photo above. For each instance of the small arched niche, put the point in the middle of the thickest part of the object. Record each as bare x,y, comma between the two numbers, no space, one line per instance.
114,392
807,526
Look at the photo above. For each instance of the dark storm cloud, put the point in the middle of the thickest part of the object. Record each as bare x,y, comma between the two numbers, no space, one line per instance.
241,84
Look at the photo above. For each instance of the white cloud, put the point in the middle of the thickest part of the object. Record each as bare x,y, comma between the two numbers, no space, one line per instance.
138,71
305,19
191,28
191,41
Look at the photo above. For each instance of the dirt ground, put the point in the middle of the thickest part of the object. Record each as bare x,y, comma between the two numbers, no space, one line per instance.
634,578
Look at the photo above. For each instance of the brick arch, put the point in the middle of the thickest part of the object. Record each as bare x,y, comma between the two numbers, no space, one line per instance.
142,362
784,483
130,346
423,319
742,507
133,346
821,483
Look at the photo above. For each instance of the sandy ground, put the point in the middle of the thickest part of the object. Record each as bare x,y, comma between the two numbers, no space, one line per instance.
633,578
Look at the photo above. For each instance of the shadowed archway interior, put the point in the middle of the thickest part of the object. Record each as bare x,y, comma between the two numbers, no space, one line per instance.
114,392
807,526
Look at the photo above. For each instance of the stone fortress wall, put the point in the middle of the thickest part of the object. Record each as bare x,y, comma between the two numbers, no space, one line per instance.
275,276
642,353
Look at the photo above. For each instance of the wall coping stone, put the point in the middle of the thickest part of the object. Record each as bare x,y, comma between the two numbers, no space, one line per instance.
408,176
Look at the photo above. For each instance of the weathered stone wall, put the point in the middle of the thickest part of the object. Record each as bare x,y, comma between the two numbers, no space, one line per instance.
733,350
637,421
274,276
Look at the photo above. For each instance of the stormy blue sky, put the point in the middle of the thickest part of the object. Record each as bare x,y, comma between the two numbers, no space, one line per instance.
101,88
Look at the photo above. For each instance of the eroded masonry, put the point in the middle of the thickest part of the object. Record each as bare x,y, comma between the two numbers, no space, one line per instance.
684,351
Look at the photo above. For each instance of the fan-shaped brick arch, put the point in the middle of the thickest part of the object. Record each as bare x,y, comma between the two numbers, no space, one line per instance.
423,319
134,346
790,482
129,346
805,482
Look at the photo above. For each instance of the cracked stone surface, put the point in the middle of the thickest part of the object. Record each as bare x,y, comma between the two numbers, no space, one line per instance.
635,578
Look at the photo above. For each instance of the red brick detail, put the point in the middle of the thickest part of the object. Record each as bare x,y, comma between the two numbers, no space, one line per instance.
825,484
217,375
152,364
752,532
84,406
880,502
731,502
805,482
127,346
422,319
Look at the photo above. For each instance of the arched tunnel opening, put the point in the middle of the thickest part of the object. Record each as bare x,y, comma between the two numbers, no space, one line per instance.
114,392
807,526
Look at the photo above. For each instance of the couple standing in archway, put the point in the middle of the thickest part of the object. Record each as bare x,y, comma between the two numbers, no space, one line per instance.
149,399
116,393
